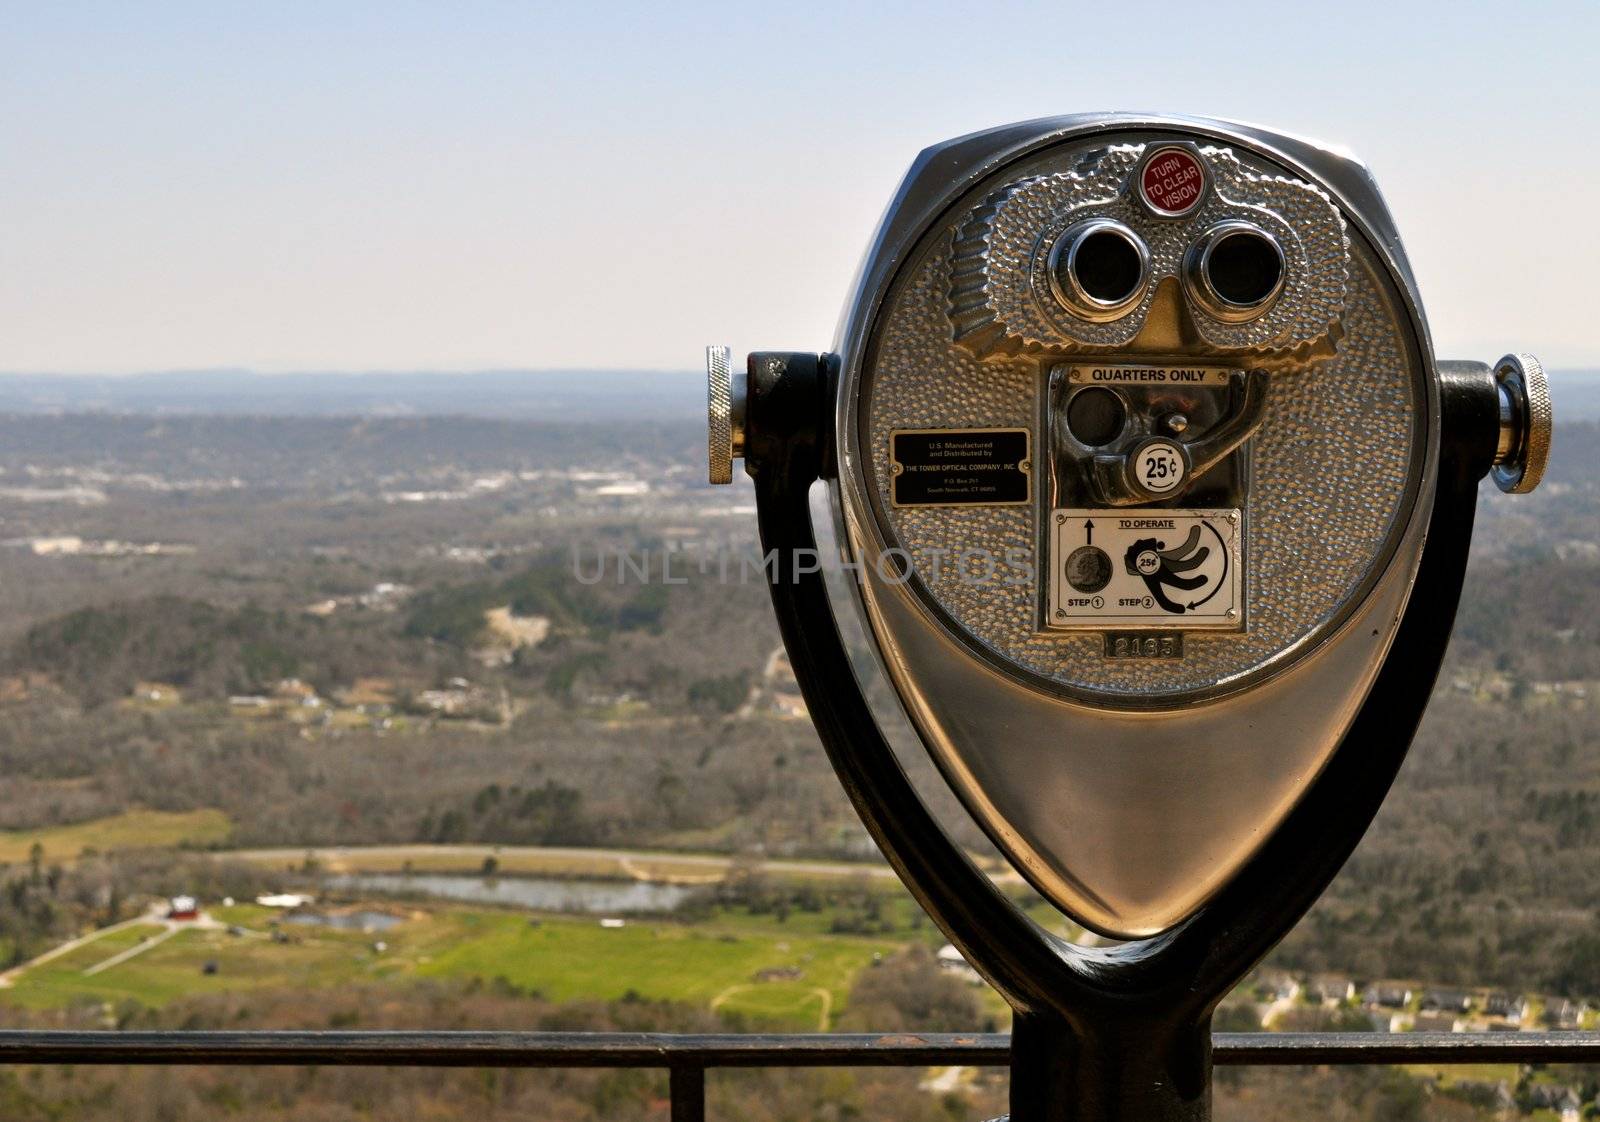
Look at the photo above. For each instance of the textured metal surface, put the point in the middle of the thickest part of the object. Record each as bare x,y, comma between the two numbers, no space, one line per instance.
1000,299
719,415
1333,463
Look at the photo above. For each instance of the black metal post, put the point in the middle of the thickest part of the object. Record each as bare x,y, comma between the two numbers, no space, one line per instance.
1122,1069
687,1088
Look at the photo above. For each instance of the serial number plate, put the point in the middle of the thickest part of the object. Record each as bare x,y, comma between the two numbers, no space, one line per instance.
1144,644
1145,569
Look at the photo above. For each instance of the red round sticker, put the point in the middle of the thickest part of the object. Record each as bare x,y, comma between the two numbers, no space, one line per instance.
1172,181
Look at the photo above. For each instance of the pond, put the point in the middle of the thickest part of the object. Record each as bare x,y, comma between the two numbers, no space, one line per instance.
345,921
545,894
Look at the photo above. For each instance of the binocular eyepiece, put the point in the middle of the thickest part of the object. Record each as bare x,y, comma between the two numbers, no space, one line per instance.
1099,270
1234,271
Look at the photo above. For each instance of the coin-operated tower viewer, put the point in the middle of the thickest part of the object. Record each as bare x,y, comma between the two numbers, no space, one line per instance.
1158,504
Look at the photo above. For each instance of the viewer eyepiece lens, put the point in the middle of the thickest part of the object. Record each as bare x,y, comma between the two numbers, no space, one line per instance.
1235,271
1099,269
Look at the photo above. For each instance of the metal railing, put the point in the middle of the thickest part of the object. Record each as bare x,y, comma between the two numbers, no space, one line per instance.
686,1057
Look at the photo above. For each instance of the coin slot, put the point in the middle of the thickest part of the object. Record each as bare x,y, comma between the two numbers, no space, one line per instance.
1096,416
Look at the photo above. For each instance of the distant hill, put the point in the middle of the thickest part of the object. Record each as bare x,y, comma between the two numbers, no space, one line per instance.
544,395
1576,394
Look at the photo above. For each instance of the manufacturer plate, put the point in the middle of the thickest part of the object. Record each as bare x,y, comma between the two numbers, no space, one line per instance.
943,467
1165,569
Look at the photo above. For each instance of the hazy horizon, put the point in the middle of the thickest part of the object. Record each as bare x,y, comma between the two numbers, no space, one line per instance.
553,395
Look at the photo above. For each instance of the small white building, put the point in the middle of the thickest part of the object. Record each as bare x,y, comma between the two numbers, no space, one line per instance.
286,900
952,961
183,907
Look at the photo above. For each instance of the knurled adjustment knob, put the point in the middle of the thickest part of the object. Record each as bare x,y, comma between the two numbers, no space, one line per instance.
725,394
1525,424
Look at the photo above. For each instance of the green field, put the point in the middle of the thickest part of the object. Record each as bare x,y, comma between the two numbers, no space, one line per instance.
565,959
133,829
711,964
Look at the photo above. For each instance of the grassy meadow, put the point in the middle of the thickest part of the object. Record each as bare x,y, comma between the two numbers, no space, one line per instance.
735,965
132,829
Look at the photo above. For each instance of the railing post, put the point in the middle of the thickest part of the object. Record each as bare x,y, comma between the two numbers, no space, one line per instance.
687,1085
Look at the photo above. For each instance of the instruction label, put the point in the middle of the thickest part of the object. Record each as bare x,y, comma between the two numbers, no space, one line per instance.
1166,569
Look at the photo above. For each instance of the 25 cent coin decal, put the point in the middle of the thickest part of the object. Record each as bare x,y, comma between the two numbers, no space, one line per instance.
1158,467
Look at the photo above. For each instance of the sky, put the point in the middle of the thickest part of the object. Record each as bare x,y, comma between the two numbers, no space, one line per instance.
460,186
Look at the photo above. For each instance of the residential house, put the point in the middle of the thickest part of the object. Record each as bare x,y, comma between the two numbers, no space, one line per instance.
1494,1095
1437,1022
1506,1006
285,900
1388,995
1559,1097
1277,985
951,961
1331,989
790,705
460,698
1384,1021
160,693
1560,1013
296,691
1447,1001
385,596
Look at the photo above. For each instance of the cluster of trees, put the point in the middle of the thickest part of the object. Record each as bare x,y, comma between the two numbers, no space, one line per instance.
1483,868
548,587
1533,617
641,640
549,814
42,904
858,905
98,653
907,992
731,785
